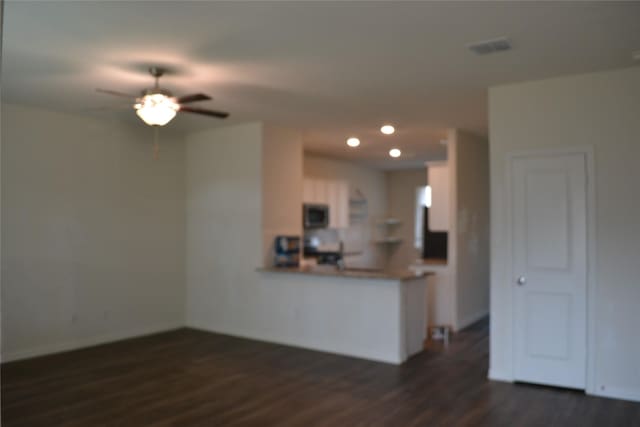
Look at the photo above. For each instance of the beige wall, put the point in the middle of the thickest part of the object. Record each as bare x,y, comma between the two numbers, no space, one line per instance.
93,231
281,186
471,233
602,111
372,183
401,188
460,290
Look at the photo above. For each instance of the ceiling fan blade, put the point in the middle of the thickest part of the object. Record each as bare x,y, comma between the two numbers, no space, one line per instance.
116,93
104,108
212,113
193,98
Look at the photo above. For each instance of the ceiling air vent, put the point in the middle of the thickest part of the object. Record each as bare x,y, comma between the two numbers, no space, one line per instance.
490,46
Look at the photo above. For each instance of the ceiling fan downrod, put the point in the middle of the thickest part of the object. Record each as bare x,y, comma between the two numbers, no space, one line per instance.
156,72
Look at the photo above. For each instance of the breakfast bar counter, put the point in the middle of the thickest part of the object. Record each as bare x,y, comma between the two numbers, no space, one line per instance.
355,273
367,313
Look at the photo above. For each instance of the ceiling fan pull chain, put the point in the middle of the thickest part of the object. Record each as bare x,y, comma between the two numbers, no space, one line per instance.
156,147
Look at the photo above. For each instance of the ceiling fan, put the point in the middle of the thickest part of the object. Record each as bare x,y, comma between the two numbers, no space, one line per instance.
157,106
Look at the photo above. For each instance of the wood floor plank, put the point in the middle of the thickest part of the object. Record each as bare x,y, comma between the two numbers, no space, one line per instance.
191,378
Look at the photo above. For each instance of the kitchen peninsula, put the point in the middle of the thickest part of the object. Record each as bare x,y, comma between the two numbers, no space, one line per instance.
366,313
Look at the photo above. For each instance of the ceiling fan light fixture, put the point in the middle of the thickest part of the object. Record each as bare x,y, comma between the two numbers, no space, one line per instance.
156,109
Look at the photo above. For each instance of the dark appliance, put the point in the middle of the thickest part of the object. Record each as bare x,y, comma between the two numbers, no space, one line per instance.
435,242
315,215
287,251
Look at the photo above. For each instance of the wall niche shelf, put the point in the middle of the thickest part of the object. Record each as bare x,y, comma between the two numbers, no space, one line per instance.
358,208
386,230
389,222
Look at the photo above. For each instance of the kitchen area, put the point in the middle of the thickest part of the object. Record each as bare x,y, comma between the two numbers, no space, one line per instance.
385,220
363,242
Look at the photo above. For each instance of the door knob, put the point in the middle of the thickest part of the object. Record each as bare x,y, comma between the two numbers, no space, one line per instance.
521,280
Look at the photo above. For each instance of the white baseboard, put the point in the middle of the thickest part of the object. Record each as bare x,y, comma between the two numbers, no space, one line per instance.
88,342
470,320
623,393
499,376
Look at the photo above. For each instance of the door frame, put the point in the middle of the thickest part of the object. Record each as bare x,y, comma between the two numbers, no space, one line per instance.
589,155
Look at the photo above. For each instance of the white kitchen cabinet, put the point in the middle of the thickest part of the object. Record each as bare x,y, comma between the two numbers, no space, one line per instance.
340,204
320,191
308,194
334,193
314,191
438,180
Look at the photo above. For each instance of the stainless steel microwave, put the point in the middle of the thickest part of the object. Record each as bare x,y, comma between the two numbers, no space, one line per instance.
315,215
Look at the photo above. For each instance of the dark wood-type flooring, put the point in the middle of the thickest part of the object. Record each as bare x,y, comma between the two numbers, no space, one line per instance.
192,378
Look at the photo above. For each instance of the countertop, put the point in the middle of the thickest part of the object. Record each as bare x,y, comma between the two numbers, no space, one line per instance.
432,261
432,265
356,273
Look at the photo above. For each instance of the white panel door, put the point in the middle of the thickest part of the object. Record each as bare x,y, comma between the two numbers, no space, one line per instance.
549,269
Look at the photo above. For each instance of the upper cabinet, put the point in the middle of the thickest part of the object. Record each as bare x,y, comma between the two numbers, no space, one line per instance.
438,180
334,193
309,191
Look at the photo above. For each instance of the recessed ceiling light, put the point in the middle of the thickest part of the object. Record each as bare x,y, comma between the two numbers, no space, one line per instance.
387,129
394,152
353,142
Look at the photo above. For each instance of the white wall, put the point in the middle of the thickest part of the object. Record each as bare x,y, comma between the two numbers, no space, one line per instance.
600,110
1,39
93,232
470,157
372,183
224,227
401,188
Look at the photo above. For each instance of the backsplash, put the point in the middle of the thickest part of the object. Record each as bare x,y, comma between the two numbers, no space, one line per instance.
326,239
359,249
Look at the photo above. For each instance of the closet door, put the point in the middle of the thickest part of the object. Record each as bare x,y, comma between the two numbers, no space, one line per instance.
549,268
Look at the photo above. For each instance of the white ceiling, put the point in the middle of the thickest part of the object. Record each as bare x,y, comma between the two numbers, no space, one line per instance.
330,69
